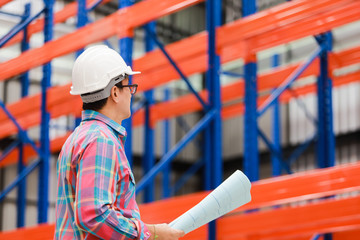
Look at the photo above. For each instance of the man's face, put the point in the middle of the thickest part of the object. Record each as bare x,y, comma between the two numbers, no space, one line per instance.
125,100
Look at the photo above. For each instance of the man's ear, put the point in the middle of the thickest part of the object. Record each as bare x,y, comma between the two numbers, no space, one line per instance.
115,94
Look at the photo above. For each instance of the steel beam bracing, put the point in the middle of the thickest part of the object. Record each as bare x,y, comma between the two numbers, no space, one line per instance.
149,138
169,156
286,84
274,151
228,34
213,133
126,48
300,149
187,175
44,166
288,222
70,10
82,19
18,28
251,155
276,129
173,63
166,178
25,82
326,137
19,178
313,18
22,133
177,105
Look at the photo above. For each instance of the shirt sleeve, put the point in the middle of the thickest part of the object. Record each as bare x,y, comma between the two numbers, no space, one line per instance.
96,191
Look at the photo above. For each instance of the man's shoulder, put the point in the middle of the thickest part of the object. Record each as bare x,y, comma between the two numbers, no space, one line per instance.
95,131
88,132
84,136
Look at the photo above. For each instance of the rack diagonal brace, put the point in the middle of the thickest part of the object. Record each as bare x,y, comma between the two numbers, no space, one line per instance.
168,157
185,177
182,75
302,105
22,134
275,151
95,4
300,149
289,81
19,27
19,178
8,150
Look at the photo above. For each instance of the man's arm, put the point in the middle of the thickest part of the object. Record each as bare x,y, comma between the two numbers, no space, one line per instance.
96,192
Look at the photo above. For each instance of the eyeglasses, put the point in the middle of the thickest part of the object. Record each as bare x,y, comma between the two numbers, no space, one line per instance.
132,87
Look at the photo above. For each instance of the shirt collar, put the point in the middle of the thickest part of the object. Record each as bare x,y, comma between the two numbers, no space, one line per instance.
94,115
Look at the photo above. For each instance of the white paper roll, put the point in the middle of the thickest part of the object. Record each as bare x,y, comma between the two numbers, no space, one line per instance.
231,194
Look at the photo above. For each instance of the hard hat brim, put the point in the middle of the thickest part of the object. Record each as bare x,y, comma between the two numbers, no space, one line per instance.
129,71
133,73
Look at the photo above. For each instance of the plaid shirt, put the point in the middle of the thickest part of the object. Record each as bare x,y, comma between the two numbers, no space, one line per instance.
96,187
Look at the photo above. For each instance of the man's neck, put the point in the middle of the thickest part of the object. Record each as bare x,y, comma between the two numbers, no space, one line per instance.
110,113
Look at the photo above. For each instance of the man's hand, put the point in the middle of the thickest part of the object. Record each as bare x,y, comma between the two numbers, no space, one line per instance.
164,232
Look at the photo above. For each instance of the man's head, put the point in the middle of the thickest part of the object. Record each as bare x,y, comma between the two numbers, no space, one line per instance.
101,77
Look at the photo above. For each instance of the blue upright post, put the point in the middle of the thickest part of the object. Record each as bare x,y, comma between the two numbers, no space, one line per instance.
43,201
166,136
213,75
207,159
82,18
24,47
126,47
326,138
148,159
251,154
213,20
275,161
21,199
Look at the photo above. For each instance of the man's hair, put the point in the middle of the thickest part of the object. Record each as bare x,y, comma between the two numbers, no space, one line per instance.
97,105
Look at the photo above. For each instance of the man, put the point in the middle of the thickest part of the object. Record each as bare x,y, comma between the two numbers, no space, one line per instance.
96,187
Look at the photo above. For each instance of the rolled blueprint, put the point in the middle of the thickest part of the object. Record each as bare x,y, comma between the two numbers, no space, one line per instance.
231,194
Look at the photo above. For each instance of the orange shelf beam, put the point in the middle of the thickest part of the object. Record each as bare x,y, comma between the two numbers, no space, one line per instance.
3,2
27,111
325,216
277,191
340,216
121,23
268,192
157,71
29,152
70,10
131,18
310,26
281,19
46,232
187,48
31,115
40,232
194,65
238,109
188,104
346,235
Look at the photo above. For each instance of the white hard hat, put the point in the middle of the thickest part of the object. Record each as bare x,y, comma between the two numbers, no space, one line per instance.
95,68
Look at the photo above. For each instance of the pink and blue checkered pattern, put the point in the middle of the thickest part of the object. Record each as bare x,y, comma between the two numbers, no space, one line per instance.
96,187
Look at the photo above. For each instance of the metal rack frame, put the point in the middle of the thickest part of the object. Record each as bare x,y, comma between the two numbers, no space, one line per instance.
210,100
43,151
